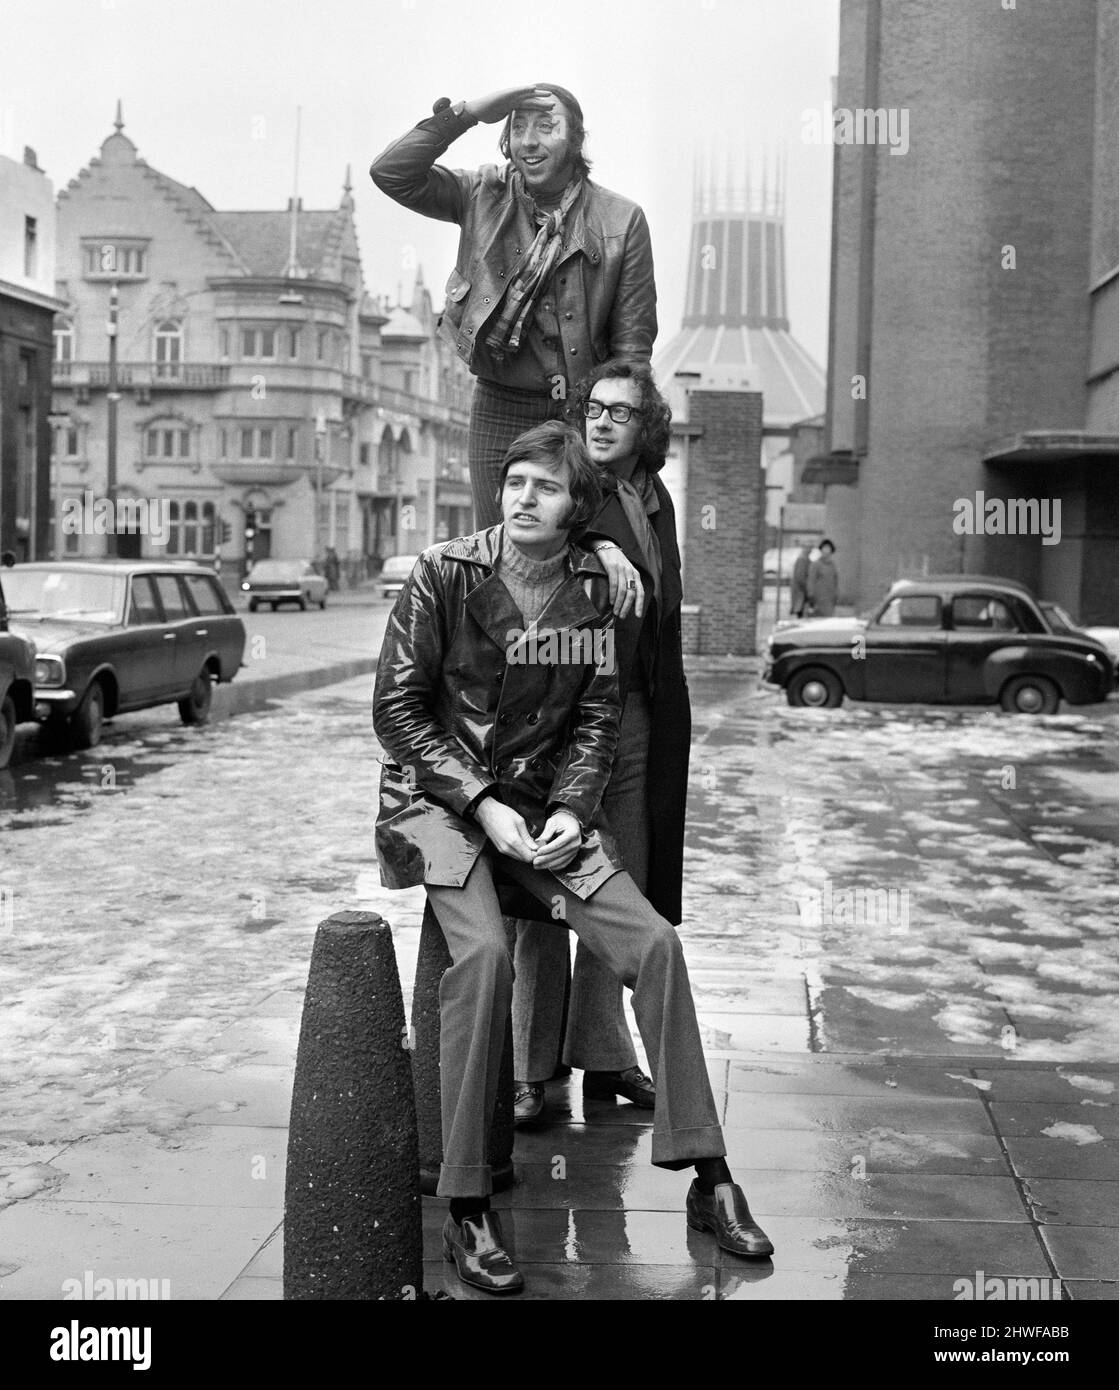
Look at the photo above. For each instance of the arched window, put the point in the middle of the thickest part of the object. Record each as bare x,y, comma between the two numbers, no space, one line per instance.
64,342
190,528
169,350
206,546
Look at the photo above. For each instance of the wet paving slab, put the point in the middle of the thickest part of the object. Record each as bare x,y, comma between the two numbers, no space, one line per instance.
912,1082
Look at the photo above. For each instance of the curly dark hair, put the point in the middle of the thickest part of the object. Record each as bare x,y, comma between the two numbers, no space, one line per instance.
555,444
656,414
577,134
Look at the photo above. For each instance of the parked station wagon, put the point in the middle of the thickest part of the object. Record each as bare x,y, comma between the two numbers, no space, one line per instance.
17,673
114,636
957,640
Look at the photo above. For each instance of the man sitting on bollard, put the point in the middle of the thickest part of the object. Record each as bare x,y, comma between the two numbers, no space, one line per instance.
497,703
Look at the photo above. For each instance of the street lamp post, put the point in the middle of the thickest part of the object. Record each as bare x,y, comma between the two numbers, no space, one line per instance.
320,442
113,397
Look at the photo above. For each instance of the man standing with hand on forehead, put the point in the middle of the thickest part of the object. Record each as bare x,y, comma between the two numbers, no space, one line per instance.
554,273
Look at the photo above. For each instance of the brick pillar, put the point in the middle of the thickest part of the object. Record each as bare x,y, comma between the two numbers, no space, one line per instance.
724,525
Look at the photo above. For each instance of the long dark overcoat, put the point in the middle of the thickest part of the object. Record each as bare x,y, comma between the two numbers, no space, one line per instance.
671,713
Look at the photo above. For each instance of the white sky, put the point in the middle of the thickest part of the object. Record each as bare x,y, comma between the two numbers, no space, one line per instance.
210,89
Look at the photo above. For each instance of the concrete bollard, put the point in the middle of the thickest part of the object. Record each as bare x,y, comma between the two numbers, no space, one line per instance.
432,961
353,1225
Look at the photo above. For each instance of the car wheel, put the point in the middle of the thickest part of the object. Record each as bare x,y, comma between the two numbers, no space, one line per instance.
89,717
252,605
302,605
273,606
195,707
7,730
322,601
815,687
1030,695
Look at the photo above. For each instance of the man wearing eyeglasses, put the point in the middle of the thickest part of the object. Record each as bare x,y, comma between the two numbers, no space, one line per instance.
626,422
554,272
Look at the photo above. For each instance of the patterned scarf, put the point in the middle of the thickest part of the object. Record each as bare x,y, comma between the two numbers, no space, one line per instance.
532,269
637,498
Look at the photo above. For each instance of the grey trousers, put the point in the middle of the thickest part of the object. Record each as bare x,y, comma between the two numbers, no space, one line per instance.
633,941
598,1036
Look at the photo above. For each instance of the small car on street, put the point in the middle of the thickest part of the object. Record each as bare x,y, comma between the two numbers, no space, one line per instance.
396,570
954,639
284,581
119,635
17,675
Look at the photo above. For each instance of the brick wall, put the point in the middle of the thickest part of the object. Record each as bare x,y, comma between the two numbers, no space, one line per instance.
723,526
962,351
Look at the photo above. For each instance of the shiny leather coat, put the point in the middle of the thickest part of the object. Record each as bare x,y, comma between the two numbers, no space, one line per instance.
604,290
455,717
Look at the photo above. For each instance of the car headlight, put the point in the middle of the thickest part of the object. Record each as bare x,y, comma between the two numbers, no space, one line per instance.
49,670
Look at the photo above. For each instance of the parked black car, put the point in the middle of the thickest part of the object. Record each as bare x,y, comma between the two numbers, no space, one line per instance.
957,640
17,674
114,636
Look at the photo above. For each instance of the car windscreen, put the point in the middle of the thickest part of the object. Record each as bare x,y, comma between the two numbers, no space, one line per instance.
1059,620
399,567
65,593
275,571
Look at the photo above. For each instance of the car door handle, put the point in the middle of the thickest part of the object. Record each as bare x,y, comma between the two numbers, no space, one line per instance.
168,636
201,632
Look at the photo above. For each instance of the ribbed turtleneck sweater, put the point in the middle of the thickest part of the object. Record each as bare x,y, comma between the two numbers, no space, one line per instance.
530,582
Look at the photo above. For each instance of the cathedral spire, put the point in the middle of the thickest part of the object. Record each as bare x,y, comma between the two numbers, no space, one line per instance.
118,124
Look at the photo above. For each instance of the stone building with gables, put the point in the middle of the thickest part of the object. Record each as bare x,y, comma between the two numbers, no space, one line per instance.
258,394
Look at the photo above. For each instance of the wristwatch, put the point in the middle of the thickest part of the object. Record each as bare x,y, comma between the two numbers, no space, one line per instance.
458,109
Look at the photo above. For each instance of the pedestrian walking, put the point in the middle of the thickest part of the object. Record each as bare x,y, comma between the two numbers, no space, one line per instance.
331,568
823,582
798,585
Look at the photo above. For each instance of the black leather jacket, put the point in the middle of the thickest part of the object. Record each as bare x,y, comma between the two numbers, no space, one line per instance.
456,718
605,294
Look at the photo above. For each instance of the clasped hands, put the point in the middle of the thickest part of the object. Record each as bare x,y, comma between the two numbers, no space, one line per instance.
556,847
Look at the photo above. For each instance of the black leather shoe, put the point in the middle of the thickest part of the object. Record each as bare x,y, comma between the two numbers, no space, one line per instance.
632,1083
528,1102
726,1214
478,1250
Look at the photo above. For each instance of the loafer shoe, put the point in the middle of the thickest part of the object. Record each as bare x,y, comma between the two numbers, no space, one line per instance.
477,1248
632,1084
727,1216
528,1102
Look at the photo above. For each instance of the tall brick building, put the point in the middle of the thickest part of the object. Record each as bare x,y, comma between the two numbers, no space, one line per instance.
974,340
263,393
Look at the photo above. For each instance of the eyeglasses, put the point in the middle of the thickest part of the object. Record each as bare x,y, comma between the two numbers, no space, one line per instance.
619,413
